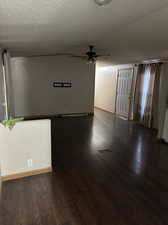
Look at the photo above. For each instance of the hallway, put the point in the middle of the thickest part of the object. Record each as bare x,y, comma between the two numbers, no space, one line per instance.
107,171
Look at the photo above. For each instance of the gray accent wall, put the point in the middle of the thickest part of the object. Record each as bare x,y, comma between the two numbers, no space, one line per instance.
33,91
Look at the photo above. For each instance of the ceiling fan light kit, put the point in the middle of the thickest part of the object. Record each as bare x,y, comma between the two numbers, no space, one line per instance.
102,2
91,61
91,56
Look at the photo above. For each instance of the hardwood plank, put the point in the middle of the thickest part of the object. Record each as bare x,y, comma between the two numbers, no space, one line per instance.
105,171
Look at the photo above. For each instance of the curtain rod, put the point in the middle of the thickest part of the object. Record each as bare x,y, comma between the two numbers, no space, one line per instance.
3,53
148,63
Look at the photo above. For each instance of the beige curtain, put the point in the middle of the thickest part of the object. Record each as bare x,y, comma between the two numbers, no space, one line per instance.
155,70
9,86
3,110
146,95
163,98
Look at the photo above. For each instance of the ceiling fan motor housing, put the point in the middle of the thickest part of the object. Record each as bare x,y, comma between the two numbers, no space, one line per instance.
91,54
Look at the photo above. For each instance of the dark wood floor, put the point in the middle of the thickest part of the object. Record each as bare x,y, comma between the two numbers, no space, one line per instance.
107,172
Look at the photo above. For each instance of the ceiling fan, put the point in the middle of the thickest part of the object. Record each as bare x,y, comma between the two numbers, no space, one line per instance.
90,56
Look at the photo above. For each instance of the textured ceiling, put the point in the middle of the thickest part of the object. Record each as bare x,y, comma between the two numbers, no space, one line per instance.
130,30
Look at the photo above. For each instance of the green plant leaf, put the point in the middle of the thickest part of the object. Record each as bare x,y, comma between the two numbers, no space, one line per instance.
10,123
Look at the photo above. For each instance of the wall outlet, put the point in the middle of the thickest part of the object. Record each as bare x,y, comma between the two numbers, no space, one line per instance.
30,163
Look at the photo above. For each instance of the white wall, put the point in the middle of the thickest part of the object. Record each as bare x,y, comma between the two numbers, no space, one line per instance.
33,85
106,84
27,140
105,88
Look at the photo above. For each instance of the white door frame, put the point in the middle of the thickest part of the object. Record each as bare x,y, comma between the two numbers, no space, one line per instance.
131,92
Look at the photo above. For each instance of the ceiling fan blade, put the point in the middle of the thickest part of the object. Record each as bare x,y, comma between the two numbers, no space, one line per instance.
105,55
63,54
54,54
79,56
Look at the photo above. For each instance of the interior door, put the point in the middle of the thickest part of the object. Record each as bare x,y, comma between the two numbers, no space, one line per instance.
124,87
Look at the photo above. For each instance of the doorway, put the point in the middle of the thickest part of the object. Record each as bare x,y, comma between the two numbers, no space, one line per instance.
124,92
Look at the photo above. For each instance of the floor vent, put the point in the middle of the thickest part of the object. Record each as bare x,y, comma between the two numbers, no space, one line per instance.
105,150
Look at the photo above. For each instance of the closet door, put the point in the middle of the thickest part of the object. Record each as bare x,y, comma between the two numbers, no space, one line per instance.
124,87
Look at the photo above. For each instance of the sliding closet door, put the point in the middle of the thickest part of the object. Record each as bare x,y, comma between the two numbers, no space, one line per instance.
124,86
